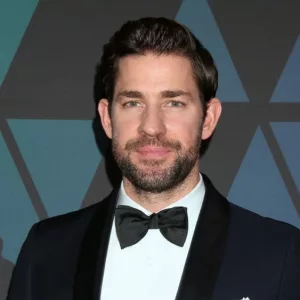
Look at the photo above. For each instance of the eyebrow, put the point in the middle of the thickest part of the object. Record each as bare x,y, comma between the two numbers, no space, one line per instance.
129,94
164,94
175,93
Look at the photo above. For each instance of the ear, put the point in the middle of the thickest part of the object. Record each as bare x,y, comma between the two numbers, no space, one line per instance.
103,109
213,114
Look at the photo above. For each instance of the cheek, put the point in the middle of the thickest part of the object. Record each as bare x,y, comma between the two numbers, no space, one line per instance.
185,130
124,130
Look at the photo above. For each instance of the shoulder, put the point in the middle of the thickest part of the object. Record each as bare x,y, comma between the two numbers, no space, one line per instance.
255,226
69,225
249,225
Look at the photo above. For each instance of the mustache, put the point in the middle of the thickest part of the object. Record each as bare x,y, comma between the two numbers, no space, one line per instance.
158,142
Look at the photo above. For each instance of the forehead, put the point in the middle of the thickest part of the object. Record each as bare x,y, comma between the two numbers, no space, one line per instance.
152,72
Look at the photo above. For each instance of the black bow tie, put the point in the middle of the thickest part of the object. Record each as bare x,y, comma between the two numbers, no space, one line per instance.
132,225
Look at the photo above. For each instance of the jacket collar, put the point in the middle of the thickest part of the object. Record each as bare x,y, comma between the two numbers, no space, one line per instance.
203,262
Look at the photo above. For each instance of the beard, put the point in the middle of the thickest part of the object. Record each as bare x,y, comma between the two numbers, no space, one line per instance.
156,178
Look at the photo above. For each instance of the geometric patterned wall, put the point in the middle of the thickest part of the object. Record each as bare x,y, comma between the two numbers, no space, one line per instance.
49,160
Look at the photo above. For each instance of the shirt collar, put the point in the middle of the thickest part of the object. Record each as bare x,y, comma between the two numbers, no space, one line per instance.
192,201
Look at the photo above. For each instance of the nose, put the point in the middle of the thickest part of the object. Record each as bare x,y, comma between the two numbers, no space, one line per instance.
152,122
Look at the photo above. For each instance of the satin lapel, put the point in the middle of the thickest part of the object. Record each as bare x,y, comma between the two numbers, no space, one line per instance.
92,255
207,247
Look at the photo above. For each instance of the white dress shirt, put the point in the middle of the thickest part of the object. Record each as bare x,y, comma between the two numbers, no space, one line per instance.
152,268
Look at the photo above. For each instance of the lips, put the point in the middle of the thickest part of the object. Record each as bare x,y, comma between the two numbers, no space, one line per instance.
153,151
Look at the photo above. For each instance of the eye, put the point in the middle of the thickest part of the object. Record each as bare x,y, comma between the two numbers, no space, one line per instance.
131,104
175,103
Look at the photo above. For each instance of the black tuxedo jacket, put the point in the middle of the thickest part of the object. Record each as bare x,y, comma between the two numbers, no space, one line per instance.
234,254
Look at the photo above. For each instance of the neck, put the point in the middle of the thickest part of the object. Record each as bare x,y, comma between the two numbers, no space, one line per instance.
154,202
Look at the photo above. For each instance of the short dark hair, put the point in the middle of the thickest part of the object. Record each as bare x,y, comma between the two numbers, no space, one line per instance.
158,36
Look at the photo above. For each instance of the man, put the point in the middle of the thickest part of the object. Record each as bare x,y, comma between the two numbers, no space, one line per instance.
166,233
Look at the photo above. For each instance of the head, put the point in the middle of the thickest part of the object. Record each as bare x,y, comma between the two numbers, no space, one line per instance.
158,105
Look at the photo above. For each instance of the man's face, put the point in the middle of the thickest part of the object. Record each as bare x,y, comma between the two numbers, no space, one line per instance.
156,121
